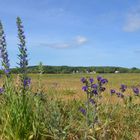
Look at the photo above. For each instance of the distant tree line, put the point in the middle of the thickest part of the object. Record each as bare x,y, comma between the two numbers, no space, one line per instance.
69,69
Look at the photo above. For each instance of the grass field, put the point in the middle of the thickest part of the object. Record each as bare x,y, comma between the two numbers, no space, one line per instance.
70,86
56,108
53,114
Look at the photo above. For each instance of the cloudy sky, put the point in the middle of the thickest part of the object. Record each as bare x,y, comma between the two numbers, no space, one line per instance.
75,32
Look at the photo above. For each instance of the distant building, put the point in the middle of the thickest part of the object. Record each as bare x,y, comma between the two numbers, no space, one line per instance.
77,71
93,72
73,72
87,71
116,71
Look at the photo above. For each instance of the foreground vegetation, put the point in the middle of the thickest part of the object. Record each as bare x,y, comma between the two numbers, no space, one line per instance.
55,113
60,107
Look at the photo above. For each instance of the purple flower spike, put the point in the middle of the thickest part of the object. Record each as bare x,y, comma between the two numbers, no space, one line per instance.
84,88
3,51
136,91
83,80
91,80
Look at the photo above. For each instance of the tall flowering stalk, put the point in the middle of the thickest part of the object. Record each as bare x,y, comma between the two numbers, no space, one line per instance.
3,51
23,54
94,93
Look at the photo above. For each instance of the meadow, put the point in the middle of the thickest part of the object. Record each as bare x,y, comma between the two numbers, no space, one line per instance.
53,111
70,85
65,106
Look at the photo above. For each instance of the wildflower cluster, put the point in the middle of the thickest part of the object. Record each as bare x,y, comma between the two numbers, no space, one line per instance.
92,88
123,89
3,51
93,91
119,94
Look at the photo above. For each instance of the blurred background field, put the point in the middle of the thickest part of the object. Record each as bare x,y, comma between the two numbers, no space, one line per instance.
70,87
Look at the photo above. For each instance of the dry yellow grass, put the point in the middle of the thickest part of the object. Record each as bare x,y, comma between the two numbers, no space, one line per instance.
69,85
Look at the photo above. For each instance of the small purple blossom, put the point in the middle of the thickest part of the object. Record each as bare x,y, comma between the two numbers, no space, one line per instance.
95,92
112,91
136,91
99,78
92,101
103,81
84,88
83,80
27,82
94,86
6,71
82,110
123,88
1,90
91,80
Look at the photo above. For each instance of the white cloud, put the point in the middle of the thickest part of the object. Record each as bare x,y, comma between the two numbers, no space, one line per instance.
132,23
56,45
76,42
80,40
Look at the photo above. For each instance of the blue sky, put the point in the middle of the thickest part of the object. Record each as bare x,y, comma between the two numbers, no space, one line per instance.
75,32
